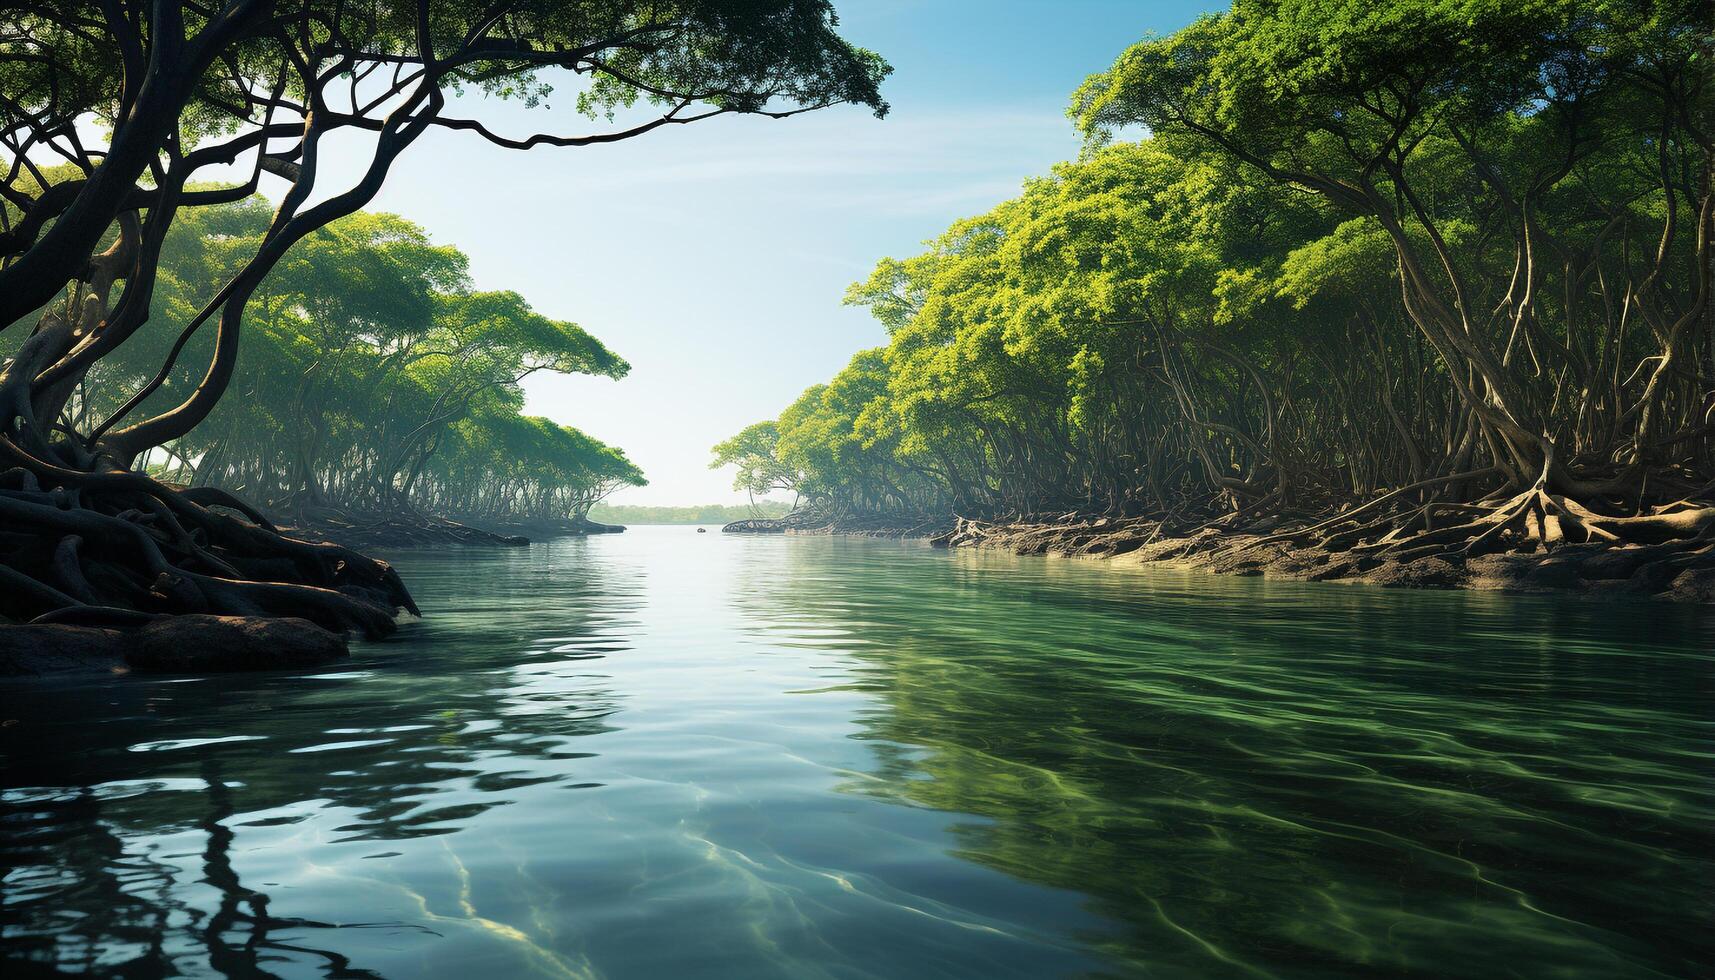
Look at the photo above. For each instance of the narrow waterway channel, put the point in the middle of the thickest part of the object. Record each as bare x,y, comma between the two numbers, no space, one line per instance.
664,754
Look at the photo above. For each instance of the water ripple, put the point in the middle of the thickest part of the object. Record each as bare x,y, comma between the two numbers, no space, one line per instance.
654,754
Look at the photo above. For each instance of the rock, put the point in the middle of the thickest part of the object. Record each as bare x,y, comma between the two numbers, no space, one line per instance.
1341,565
1653,577
27,651
1599,560
1423,573
1237,563
702,530
1498,571
1301,564
217,644
1553,573
1693,585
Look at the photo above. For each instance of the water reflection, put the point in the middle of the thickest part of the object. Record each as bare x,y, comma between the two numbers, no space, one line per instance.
1293,780
123,798
672,755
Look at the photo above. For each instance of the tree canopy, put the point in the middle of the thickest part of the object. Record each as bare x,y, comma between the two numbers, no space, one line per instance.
1457,247
376,378
115,120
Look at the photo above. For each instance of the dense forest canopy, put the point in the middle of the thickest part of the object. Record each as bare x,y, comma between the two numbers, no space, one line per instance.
374,378
1455,248
115,117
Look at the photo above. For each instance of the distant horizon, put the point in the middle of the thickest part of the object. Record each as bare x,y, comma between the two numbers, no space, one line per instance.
686,514
701,503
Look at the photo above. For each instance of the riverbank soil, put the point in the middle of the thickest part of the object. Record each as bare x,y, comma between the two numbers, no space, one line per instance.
1499,556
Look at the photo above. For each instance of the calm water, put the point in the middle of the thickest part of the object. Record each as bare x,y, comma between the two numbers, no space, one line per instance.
664,755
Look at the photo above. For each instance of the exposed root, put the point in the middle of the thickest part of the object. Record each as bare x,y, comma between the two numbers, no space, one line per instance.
1533,539
216,497
116,547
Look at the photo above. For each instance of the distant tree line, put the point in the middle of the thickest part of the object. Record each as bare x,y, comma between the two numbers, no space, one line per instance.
607,513
1459,250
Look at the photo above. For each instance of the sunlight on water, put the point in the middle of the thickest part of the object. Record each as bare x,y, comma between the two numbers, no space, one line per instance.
663,754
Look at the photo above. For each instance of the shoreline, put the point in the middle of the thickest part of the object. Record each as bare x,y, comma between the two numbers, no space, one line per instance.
118,640
1598,570
123,641
400,531
866,526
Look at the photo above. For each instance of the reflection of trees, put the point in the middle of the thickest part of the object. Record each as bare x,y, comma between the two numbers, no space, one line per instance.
120,905
241,907
446,725
1336,781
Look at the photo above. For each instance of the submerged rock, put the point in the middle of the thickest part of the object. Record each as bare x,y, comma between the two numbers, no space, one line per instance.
34,651
218,644
191,644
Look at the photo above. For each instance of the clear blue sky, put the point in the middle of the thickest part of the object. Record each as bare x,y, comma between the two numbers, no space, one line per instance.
713,257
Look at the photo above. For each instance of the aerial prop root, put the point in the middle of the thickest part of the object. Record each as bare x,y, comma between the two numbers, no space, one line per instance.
1537,519
110,546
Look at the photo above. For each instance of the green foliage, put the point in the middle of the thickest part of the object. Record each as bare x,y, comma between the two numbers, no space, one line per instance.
755,451
1359,246
738,54
374,376
1498,148
141,102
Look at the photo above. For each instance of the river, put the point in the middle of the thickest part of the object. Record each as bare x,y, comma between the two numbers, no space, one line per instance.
665,754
